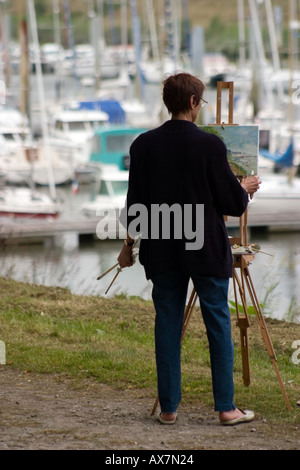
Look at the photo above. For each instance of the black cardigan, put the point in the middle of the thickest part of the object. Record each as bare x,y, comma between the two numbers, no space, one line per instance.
177,163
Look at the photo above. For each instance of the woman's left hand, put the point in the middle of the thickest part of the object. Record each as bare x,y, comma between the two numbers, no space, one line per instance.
126,258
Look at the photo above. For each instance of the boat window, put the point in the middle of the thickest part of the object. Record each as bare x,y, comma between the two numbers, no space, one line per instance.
119,143
59,125
119,187
77,126
9,136
95,144
103,189
95,124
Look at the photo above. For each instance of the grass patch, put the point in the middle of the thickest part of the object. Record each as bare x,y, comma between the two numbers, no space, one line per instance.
49,330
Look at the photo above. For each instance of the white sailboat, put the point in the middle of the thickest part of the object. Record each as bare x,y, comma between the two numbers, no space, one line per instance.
26,164
62,165
24,202
15,139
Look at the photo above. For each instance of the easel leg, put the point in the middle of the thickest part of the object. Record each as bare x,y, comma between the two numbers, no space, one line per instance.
154,406
243,324
263,326
188,312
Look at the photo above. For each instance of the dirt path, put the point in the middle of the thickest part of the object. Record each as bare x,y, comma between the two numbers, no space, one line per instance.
40,412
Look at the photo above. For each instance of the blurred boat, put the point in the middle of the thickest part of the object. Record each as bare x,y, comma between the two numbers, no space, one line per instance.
24,202
15,135
25,165
14,130
110,145
58,158
110,193
279,186
82,62
281,160
69,132
76,124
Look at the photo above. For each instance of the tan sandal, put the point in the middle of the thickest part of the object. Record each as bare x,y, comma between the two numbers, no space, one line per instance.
246,417
166,421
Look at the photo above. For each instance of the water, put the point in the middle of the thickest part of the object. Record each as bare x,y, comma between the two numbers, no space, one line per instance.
276,278
66,263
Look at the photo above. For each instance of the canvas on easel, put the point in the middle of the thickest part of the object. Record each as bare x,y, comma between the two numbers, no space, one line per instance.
242,142
242,147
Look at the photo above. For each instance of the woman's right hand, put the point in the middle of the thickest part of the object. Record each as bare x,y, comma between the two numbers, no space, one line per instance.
251,184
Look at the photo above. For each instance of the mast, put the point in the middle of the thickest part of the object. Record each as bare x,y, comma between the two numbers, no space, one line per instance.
33,27
293,27
94,41
242,40
274,48
169,20
186,27
57,41
153,33
124,40
24,62
7,69
71,42
137,48
56,24
260,52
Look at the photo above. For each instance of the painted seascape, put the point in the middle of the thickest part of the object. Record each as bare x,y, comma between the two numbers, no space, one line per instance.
242,147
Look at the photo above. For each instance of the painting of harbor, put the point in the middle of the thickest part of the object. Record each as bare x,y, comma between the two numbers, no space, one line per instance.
242,147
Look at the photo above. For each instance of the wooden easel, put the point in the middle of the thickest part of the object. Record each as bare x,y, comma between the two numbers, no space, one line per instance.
241,280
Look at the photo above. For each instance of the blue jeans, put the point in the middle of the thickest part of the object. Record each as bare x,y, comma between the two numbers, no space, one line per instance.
169,296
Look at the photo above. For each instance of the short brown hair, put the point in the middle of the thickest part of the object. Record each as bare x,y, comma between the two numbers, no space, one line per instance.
178,89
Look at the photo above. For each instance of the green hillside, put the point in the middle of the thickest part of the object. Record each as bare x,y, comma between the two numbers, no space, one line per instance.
219,18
